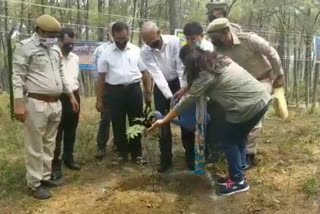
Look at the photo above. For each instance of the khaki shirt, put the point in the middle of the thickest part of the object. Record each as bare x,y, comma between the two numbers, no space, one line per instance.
235,28
254,54
37,69
239,94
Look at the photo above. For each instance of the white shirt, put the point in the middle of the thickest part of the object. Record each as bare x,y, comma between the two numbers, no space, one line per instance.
71,70
121,67
164,65
96,54
206,45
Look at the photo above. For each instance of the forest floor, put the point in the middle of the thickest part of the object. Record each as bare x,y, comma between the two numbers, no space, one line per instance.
285,181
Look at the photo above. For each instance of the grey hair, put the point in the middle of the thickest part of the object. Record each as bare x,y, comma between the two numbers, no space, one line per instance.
149,27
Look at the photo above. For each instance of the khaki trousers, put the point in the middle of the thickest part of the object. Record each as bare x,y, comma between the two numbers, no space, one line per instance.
40,130
255,133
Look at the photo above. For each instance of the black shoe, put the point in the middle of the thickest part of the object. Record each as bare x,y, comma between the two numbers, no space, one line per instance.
250,159
40,193
118,158
72,165
56,170
164,167
140,160
100,154
233,187
51,183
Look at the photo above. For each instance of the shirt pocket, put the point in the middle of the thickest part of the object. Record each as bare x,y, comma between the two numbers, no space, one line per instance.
133,62
39,61
115,63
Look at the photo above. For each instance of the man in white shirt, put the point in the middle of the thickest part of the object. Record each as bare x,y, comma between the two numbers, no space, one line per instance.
161,57
105,117
69,119
120,72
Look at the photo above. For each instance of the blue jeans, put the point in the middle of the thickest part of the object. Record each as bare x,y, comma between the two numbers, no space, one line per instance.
234,141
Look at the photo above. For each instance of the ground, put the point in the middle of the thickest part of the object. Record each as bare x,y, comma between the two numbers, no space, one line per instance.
286,180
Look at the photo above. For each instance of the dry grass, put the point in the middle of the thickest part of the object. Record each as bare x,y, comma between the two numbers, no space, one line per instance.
286,181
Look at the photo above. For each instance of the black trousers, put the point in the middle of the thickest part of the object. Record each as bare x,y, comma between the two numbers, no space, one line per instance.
214,130
104,127
162,104
67,128
125,101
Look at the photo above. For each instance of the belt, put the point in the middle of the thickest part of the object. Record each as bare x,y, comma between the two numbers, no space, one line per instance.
44,98
266,75
123,85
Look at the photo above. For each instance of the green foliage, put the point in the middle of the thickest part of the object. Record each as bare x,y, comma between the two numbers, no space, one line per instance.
312,186
138,129
135,131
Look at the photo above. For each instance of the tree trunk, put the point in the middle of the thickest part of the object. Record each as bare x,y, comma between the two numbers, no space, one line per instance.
21,16
287,56
315,87
29,28
133,18
79,20
141,15
100,30
160,7
1,50
5,47
146,4
300,53
307,69
87,20
295,65
174,15
42,8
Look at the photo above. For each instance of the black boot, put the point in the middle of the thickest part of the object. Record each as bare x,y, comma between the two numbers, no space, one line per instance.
40,193
100,154
56,170
250,161
52,184
70,164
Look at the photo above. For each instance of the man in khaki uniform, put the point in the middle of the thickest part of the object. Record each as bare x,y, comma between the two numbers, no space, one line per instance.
216,9
255,55
219,10
38,80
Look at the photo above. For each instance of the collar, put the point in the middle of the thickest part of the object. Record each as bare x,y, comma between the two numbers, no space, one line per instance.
115,47
36,39
164,44
70,55
235,39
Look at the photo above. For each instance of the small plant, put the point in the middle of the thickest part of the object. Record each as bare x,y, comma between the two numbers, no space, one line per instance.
141,129
312,186
135,131
142,124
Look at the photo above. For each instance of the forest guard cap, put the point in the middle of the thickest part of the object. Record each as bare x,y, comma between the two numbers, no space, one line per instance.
48,23
218,24
216,5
